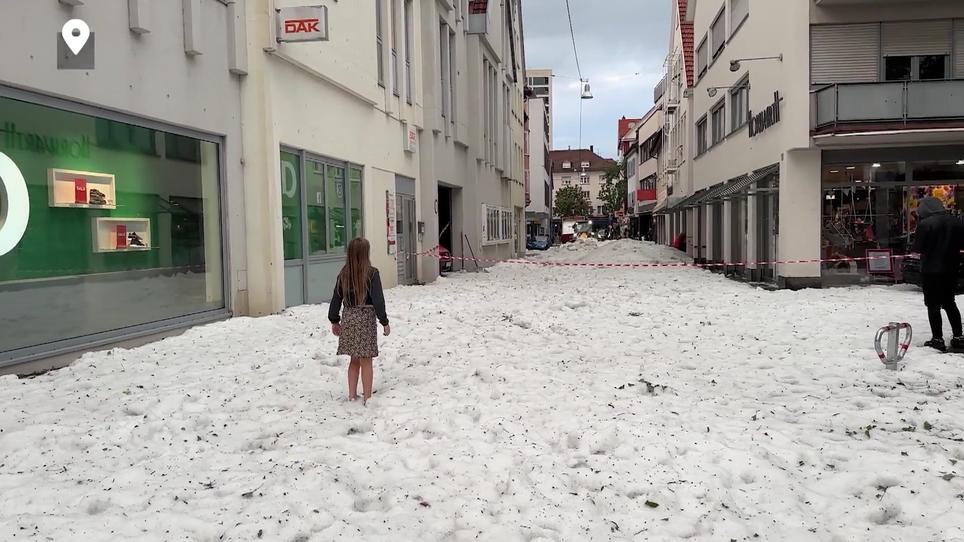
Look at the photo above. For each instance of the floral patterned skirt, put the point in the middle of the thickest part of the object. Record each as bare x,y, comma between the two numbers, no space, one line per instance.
359,332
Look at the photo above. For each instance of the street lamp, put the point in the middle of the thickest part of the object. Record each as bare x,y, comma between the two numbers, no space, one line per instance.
735,64
712,91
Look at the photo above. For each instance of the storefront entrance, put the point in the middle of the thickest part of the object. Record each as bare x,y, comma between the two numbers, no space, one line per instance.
873,205
406,230
321,203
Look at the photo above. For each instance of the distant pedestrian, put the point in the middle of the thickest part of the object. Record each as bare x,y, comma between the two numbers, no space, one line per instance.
359,288
939,240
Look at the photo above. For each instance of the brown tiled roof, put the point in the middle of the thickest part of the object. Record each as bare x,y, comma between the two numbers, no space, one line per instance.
575,157
687,34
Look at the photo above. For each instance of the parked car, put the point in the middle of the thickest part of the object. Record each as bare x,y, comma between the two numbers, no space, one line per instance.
538,242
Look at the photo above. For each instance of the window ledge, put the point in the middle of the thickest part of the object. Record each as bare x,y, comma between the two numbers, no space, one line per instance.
736,130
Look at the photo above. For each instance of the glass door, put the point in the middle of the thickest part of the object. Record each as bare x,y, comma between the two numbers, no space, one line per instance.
321,213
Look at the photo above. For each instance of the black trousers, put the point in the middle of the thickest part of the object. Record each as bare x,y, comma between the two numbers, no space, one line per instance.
938,295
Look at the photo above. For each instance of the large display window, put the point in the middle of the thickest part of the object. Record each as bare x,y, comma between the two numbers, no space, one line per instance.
869,206
124,227
321,212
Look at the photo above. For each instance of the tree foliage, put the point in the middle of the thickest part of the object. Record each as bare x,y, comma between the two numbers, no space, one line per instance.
571,201
613,192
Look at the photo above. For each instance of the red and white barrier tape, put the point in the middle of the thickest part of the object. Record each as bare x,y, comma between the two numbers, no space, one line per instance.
600,265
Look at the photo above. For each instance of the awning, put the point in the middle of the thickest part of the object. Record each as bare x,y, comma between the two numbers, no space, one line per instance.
744,183
709,195
666,205
646,207
691,200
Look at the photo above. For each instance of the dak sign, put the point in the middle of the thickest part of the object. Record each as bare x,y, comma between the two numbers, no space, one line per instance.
308,23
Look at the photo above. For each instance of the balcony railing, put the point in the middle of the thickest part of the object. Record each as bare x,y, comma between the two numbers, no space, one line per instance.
889,102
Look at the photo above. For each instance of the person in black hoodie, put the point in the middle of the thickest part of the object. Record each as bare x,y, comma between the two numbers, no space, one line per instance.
939,240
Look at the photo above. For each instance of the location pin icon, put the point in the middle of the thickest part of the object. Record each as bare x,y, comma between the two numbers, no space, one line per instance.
75,34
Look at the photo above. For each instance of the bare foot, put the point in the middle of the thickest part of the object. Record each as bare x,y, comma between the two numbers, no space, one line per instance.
352,397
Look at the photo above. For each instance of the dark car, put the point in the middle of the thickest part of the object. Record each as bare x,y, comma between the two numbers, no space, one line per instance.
539,242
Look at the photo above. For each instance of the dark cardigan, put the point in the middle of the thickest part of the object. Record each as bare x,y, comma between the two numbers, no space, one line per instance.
376,298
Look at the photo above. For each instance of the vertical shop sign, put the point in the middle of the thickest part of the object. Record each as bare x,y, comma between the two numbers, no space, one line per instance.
390,222
478,16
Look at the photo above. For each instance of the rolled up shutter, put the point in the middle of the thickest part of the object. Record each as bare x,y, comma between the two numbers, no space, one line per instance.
959,48
912,38
844,53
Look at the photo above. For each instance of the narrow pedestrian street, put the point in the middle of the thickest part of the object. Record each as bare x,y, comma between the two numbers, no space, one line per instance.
528,403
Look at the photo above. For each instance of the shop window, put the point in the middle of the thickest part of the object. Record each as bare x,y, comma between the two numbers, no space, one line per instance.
121,136
291,215
119,234
337,220
355,179
183,148
498,225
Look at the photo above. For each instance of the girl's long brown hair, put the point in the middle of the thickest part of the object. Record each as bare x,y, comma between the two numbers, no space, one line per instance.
353,278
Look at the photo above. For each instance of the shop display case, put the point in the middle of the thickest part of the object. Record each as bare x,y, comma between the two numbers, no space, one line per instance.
112,234
81,189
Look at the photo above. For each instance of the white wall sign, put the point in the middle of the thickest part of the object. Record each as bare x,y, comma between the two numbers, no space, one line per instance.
14,205
306,23
411,137
390,221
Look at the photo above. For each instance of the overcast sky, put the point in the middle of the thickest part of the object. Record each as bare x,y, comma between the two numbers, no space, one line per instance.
616,39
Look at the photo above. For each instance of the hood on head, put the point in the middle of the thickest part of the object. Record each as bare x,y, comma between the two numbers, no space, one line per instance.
930,206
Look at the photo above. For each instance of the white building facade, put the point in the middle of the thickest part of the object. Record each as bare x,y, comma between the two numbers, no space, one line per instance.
816,128
204,169
583,168
541,83
539,208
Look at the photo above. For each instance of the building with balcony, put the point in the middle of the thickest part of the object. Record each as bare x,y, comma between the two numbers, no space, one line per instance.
817,126
644,164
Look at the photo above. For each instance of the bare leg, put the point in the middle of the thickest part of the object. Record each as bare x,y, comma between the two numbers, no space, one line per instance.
367,376
353,369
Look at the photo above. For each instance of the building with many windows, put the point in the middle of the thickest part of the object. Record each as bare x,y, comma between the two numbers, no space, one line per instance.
583,168
816,127
209,166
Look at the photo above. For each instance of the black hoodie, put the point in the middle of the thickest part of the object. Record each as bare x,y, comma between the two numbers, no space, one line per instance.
939,238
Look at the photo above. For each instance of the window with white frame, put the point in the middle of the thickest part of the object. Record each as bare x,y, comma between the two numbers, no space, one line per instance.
584,178
584,165
453,75
498,225
379,43
567,165
395,34
443,68
719,32
739,104
567,180
631,167
409,52
701,58
739,11
718,122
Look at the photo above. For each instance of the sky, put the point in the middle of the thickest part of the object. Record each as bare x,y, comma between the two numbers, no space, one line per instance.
621,45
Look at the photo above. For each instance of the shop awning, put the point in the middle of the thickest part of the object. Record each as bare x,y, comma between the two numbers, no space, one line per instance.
709,195
690,200
646,208
744,183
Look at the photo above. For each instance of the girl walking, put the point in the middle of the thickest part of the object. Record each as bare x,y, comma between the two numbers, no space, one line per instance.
359,288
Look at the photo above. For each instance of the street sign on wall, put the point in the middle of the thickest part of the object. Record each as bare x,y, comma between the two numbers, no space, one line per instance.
306,23
478,16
